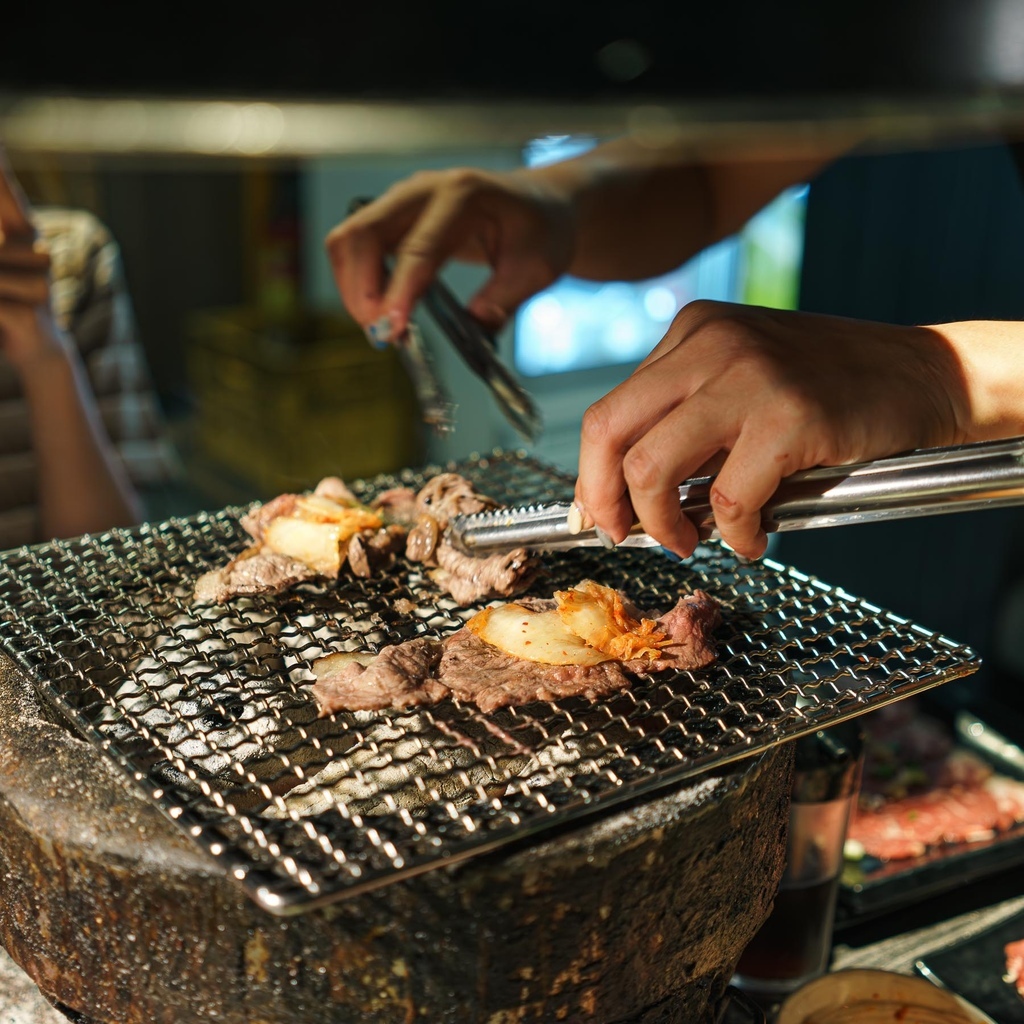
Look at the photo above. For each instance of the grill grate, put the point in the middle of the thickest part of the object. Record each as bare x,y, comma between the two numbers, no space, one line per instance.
207,709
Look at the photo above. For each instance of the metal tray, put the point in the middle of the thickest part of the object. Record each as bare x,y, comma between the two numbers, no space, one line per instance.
974,968
873,888
207,708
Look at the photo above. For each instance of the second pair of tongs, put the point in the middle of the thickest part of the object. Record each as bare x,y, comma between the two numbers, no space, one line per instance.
479,352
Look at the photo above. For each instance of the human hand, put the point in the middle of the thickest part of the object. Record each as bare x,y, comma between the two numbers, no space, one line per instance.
757,394
27,328
519,225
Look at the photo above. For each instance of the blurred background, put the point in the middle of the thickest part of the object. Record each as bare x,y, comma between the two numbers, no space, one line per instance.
219,159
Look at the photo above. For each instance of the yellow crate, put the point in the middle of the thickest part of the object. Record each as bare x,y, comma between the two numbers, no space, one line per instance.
283,404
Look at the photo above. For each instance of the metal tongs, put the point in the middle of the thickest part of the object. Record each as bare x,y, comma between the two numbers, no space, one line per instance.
929,481
478,350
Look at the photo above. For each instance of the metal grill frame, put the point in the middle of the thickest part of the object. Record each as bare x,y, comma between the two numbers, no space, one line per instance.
105,629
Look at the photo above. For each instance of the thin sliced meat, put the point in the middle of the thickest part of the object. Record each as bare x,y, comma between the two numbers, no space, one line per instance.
253,572
255,522
450,494
336,489
472,670
964,813
398,677
690,626
372,551
470,579
397,505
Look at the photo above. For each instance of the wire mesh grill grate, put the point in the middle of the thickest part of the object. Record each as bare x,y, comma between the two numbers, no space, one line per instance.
207,708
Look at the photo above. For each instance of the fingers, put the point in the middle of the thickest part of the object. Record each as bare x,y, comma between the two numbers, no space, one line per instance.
642,483
433,217
14,207
750,476
358,246
422,252
671,451
357,260
31,288
516,278
23,254
612,428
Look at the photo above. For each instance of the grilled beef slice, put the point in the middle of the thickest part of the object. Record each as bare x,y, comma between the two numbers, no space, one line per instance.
467,668
398,677
253,572
470,579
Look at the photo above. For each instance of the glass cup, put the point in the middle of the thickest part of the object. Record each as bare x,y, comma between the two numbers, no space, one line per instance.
794,944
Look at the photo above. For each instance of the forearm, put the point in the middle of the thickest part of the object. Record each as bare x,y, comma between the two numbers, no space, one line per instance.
82,487
643,210
991,357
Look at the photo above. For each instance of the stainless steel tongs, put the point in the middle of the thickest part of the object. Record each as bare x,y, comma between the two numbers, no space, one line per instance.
926,482
477,349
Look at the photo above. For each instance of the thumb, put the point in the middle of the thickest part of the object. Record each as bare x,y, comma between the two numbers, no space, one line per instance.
496,302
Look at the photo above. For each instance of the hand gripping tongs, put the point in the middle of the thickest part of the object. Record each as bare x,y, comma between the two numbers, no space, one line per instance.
929,481
477,349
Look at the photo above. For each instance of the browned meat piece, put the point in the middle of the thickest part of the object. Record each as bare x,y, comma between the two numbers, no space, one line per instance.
373,550
397,505
466,579
253,572
427,512
449,494
255,522
470,579
423,539
690,625
398,677
474,671
336,489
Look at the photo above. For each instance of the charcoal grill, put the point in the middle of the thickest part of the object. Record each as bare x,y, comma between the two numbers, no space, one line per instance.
207,708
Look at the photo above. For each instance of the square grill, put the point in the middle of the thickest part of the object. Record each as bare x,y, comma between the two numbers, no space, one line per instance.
207,708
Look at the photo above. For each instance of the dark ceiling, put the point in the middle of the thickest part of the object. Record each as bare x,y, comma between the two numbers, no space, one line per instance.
553,50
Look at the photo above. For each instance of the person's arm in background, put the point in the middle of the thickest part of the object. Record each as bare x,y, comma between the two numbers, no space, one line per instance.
626,210
82,486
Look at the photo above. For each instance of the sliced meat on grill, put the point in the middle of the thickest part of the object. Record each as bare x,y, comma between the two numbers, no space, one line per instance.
449,494
1014,952
690,626
440,498
336,489
253,572
398,677
255,522
474,671
372,551
470,579
423,539
470,669
397,505
331,528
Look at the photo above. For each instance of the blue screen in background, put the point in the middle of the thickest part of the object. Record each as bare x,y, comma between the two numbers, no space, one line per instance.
577,325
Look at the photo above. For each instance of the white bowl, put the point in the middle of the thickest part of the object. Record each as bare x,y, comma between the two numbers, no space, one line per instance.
874,997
